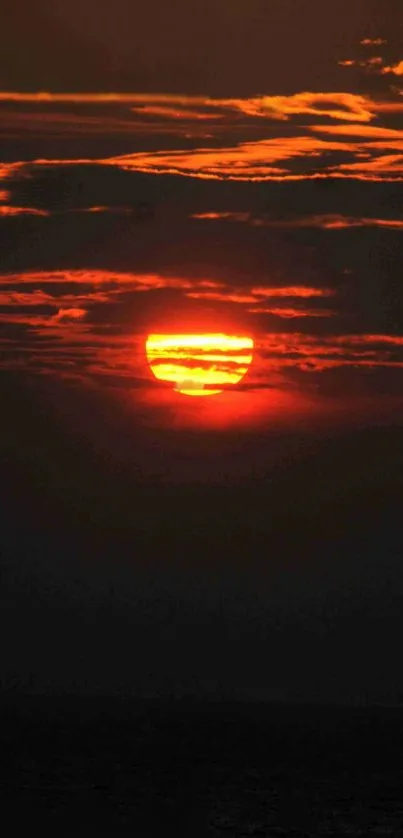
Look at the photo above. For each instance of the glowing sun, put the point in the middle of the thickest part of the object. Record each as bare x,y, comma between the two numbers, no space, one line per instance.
199,365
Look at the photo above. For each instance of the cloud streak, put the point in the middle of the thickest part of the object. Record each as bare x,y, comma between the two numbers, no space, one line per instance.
373,42
319,222
10,210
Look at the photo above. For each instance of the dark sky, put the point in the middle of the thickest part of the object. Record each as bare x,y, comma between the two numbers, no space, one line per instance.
231,47
233,167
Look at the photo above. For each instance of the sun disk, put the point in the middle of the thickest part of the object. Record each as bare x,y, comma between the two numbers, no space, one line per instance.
199,364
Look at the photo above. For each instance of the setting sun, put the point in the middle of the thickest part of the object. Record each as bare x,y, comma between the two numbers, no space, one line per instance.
199,365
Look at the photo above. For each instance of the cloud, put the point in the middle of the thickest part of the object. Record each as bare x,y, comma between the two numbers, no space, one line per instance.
358,130
223,296
373,64
9,170
65,327
396,69
286,158
10,210
292,312
300,291
337,105
388,164
178,113
254,160
98,278
13,210
258,296
49,306
390,340
222,216
108,285
69,314
21,298
373,42
295,151
113,125
320,222
311,353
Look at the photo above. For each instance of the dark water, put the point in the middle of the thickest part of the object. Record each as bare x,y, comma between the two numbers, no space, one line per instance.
95,767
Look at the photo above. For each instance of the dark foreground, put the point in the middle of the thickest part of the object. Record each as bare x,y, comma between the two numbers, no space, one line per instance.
116,767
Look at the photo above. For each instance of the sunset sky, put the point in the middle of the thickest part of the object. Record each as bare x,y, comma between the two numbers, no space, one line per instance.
225,167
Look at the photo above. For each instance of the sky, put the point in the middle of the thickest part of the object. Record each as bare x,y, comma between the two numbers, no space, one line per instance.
231,167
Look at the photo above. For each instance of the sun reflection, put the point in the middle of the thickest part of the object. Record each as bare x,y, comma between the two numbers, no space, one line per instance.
199,364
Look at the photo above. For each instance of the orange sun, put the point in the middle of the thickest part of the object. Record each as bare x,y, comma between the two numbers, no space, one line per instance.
199,365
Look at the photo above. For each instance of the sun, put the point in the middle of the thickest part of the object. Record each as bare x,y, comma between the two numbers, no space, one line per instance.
199,364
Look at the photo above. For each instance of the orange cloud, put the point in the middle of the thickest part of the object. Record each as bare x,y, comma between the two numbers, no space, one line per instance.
260,294
292,312
114,279
282,158
93,98
371,64
324,222
301,291
78,344
396,69
175,113
358,130
338,105
375,60
18,298
287,342
342,222
11,211
56,124
8,170
310,353
225,296
343,106
244,161
394,107
390,164
391,340
373,42
119,210
69,314
107,285
222,216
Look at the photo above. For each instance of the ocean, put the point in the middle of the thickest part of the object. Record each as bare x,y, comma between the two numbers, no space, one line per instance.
92,766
